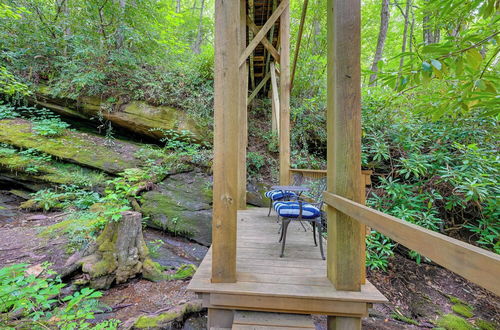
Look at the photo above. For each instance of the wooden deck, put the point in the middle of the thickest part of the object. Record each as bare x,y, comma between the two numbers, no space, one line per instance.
296,283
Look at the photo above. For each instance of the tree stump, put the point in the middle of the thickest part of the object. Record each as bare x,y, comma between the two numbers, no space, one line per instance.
118,255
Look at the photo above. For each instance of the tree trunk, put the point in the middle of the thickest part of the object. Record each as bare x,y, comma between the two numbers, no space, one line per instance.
178,6
431,35
199,36
118,255
384,24
405,35
121,28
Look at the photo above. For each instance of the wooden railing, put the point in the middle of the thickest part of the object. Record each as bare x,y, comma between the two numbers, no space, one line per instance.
318,174
475,264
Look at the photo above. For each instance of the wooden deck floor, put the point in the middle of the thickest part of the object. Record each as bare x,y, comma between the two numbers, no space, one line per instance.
296,283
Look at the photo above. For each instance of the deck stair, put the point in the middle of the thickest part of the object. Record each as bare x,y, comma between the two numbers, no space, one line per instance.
245,320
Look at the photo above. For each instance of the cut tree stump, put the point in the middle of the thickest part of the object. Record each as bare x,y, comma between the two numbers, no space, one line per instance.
119,254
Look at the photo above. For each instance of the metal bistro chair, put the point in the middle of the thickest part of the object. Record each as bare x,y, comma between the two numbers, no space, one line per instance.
280,195
303,211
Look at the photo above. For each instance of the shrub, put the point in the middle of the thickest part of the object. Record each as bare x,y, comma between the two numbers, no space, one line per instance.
50,127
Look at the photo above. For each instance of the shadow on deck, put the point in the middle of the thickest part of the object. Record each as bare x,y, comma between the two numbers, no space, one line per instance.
296,283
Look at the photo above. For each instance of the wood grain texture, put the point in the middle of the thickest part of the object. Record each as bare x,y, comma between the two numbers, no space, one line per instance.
345,239
284,117
281,320
275,119
243,115
343,323
475,264
226,118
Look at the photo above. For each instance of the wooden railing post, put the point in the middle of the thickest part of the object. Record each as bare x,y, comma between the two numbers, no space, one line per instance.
344,148
226,145
284,106
243,119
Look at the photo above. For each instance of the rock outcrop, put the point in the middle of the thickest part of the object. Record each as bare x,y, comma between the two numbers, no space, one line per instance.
181,204
135,116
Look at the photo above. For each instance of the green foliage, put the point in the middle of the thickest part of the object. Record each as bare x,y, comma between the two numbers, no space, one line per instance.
49,127
41,304
378,250
154,248
255,162
7,111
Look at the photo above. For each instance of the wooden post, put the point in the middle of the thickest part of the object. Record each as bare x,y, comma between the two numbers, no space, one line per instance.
284,117
226,119
243,119
344,144
275,101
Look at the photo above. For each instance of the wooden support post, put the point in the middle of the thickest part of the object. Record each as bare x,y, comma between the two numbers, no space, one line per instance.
343,323
226,119
299,40
275,100
284,117
345,238
243,124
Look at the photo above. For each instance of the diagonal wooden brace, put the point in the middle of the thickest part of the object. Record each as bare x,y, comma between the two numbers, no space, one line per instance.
269,46
263,31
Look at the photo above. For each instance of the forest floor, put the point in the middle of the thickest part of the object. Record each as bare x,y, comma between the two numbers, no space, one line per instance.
418,293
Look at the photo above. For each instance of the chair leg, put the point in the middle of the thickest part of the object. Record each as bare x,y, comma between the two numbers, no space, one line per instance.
320,239
314,233
302,224
270,206
283,233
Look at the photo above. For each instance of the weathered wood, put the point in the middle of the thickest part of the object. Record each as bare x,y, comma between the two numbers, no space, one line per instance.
299,40
344,140
243,116
259,87
343,323
269,46
475,264
267,320
265,28
284,117
226,104
220,318
275,118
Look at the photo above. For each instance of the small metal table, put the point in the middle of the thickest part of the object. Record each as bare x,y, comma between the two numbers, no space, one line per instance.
299,189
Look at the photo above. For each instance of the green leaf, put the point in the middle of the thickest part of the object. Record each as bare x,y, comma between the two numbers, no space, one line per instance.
436,64
426,67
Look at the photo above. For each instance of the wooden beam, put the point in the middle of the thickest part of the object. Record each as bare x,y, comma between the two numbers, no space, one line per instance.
259,87
271,36
473,263
299,40
275,100
345,239
243,119
269,46
226,118
284,117
265,28
251,9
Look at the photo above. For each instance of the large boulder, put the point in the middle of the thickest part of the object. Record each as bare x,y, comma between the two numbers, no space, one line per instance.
181,204
136,116
85,149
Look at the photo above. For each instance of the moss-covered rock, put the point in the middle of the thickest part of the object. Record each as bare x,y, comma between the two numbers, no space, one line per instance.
136,116
485,325
81,148
463,310
181,206
453,322
164,320
256,194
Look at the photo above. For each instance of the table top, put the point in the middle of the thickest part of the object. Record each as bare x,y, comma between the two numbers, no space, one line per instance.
290,188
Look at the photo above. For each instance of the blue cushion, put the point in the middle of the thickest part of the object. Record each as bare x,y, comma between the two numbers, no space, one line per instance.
276,195
292,210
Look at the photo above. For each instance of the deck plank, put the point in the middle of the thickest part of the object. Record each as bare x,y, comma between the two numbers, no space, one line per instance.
299,279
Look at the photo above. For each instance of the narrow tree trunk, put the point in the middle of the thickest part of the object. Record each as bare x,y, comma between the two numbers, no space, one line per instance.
382,35
178,7
120,37
431,35
405,35
199,36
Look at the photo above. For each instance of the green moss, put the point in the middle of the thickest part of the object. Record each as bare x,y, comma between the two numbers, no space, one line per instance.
485,325
453,322
153,271
403,318
161,320
456,300
463,310
80,148
184,272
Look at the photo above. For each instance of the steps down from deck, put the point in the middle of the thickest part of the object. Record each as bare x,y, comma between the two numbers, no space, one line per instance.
245,320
